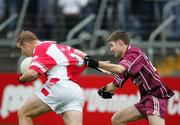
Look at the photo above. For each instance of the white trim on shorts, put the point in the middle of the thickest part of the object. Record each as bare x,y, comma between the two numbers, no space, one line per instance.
156,106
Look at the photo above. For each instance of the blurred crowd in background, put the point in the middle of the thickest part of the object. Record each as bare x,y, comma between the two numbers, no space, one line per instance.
55,20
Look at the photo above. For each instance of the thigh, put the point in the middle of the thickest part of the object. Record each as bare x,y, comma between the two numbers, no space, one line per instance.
72,117
151,105
127,115
34,107
155,120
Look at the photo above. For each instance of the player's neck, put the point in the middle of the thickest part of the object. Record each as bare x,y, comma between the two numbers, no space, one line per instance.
125,48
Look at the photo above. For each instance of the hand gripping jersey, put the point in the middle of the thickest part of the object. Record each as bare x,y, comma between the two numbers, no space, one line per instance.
142,73
57,61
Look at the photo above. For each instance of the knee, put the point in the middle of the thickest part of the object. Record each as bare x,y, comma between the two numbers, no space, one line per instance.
21,113
114,120
117,120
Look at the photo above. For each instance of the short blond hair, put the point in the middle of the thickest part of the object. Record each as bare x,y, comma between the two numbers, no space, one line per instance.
26,36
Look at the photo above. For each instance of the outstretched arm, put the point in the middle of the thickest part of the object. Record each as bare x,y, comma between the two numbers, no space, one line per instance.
79,52
113,68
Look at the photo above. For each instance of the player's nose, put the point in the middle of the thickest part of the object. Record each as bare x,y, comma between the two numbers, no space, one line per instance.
111,50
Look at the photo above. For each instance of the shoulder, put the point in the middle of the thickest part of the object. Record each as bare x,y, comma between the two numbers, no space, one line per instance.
132,48
43,46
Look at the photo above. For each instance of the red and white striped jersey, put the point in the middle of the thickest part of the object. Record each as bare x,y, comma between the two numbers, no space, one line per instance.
57,61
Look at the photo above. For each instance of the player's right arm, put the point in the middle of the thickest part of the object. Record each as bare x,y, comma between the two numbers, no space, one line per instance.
79,52
114,68
28,76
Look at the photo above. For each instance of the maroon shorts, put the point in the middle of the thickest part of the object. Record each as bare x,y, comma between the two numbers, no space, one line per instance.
151,105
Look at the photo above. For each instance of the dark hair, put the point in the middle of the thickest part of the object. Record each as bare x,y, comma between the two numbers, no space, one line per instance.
26,36
119,35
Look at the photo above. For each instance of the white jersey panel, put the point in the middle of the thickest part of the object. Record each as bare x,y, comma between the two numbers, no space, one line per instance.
58,72
57,55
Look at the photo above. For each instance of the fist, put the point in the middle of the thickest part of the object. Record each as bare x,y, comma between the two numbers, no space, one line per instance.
104,93
90,62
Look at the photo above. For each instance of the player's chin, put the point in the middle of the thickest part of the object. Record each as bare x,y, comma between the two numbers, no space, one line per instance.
24,54
28,55
118,56
115,55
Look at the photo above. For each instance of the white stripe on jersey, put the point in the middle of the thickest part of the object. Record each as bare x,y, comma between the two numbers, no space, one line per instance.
155,76
118,80
57,55
134,62
60,70
125,63
148,87
42,67
158,79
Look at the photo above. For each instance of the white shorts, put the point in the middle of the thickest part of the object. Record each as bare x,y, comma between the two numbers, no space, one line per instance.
63,96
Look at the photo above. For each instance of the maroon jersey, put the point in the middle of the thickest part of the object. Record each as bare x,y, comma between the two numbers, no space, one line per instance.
142,73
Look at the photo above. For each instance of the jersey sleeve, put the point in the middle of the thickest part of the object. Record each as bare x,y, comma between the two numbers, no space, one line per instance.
69,49
72,58
42,64
119,80
132,62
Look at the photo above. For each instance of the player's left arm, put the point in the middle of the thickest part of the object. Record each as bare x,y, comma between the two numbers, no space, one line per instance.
79,52
28,76
110,87
107,91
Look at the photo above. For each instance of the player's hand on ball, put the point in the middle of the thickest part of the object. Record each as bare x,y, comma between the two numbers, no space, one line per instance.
104,93
20,80
90,62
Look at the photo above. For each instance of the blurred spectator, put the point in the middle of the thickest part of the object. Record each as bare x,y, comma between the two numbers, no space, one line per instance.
140,17
173,31
12,6
123,9
71,10
144,15
46,18
129,16
158,10
2,10
87,9
112,17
